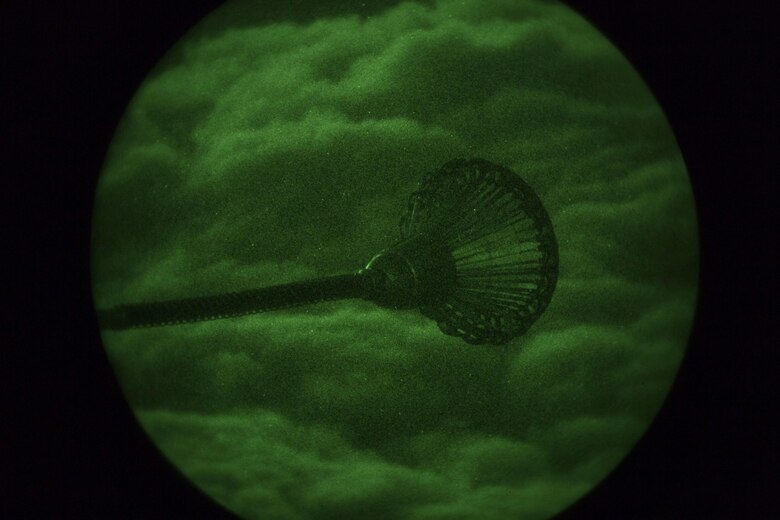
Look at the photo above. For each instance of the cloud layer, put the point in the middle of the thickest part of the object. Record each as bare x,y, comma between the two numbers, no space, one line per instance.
259,153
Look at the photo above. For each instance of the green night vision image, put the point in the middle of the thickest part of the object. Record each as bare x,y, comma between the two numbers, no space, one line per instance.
418,260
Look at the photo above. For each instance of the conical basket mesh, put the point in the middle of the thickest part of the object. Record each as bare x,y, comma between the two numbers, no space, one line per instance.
502,243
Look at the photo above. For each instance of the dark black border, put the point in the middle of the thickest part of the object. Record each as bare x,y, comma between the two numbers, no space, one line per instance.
69,69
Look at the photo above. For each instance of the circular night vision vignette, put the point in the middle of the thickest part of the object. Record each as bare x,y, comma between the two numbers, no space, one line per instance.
260,153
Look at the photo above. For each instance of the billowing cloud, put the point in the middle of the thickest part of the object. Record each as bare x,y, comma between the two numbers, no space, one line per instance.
261,153
262,465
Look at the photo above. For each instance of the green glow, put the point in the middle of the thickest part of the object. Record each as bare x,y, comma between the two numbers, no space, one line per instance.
260,153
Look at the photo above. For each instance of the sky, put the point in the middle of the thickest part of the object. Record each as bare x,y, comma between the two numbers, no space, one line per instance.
261,151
